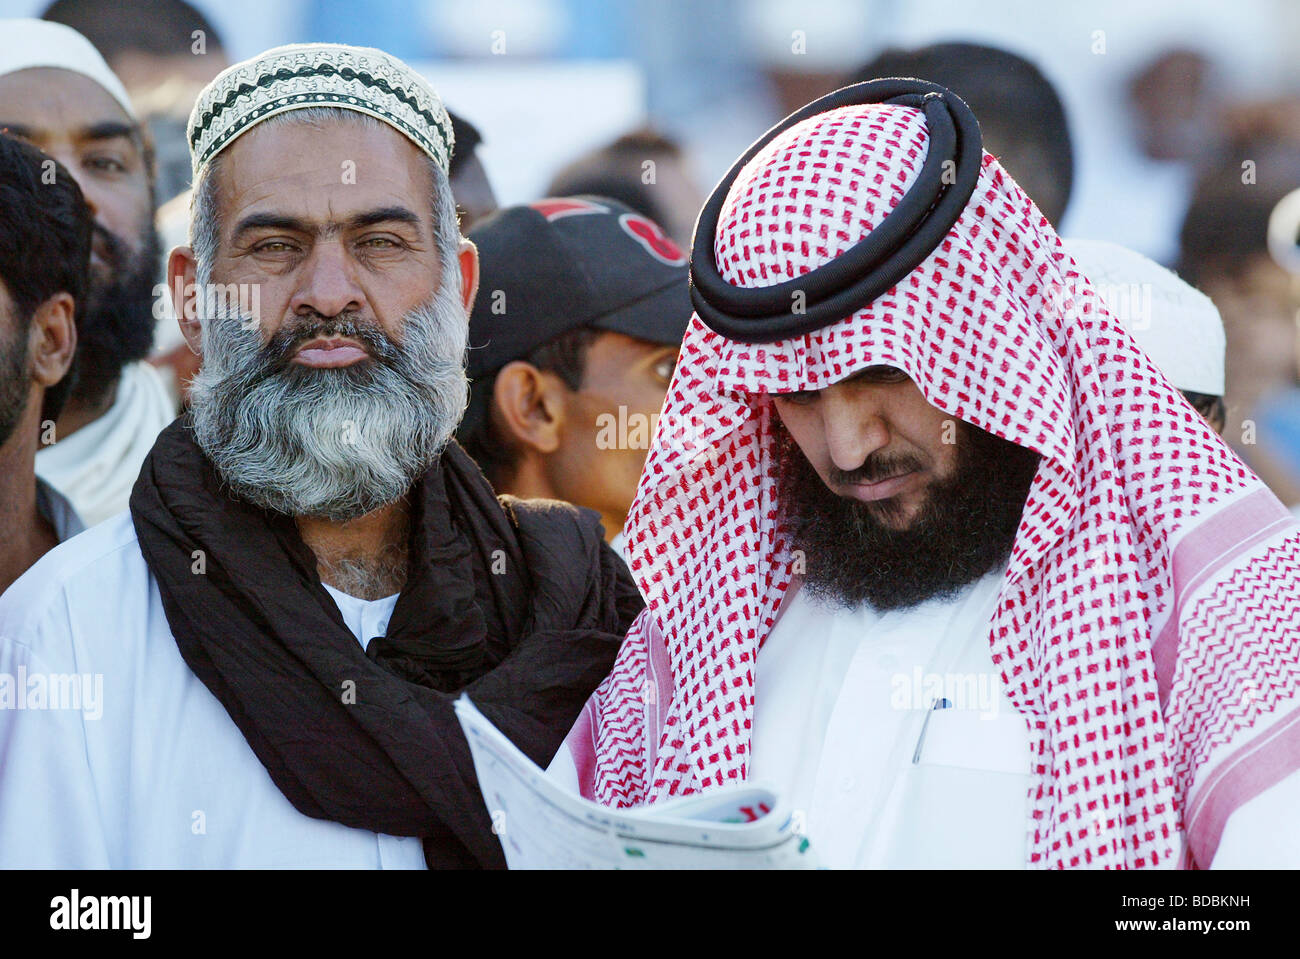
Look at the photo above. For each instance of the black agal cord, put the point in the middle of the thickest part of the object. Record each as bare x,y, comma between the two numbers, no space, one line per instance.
899,244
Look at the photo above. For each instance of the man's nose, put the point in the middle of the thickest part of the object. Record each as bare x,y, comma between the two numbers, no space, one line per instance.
327,283
855,427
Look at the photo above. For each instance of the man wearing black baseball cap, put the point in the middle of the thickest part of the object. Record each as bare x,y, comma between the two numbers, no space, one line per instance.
581,310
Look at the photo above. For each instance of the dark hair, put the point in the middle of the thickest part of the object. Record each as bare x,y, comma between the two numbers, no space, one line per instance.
45,230
1226,224
1210,406
467,138
614,171
157,27
1021,116
565,356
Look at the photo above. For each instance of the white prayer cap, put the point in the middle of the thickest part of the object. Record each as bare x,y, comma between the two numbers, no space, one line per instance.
1284,233
30,43
304,75
1174,323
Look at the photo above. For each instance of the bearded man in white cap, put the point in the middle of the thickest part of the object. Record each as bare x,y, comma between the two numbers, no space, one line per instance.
962,577
311,570
57,92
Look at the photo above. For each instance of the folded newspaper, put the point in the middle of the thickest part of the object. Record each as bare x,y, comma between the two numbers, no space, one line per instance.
541,826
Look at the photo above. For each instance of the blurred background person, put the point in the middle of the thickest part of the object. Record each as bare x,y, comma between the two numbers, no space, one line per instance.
581,310
475,198
57,93
1284,233
643,170
164,52
45,230
1284,245
1225,253
1021,116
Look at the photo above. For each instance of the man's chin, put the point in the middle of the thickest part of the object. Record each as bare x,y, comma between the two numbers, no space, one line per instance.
897,513
898,520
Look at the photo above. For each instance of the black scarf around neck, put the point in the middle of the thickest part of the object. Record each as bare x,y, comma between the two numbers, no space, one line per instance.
517,603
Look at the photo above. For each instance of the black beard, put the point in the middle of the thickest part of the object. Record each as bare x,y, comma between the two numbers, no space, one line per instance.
965,528
118,322
15,381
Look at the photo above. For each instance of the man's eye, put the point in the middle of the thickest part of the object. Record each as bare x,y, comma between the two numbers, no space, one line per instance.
379,243
106,164
274,246
882,374
799,397
664,368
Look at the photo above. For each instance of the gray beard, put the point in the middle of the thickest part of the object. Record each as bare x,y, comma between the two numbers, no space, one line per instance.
330,443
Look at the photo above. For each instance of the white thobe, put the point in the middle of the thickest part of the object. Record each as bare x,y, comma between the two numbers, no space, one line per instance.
845,725
97,466
846,730
841,700
58,511
150,771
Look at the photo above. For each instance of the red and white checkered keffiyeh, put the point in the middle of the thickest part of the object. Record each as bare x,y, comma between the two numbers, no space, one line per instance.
1148,625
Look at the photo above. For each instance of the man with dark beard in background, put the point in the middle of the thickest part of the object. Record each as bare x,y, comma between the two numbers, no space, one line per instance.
57,93
311,570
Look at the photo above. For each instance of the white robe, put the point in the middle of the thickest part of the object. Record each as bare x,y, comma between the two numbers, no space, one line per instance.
151,772
56,510
841,700
97,465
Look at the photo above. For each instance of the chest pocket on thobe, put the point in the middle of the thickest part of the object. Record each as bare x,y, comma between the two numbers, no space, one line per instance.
964,801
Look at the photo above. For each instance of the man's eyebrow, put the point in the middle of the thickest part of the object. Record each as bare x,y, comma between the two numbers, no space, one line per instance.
109,130
283,221
272,221
386,214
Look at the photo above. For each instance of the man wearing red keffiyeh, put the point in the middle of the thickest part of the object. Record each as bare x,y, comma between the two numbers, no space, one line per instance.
1103,669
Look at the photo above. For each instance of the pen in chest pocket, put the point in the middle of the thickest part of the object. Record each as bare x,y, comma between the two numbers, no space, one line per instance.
920,740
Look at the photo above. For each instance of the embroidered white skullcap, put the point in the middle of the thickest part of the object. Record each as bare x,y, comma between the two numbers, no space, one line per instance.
1284,232
1177,325
27,44
305,75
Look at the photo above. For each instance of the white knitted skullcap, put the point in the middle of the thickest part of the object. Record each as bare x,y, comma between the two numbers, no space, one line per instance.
27,44
1284,233
1176,324
304,75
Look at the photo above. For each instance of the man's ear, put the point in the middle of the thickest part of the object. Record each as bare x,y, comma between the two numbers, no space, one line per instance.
182,274
529,405
52,340
467,257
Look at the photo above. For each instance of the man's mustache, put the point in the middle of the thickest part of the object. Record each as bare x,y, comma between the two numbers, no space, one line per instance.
876,467
280,350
